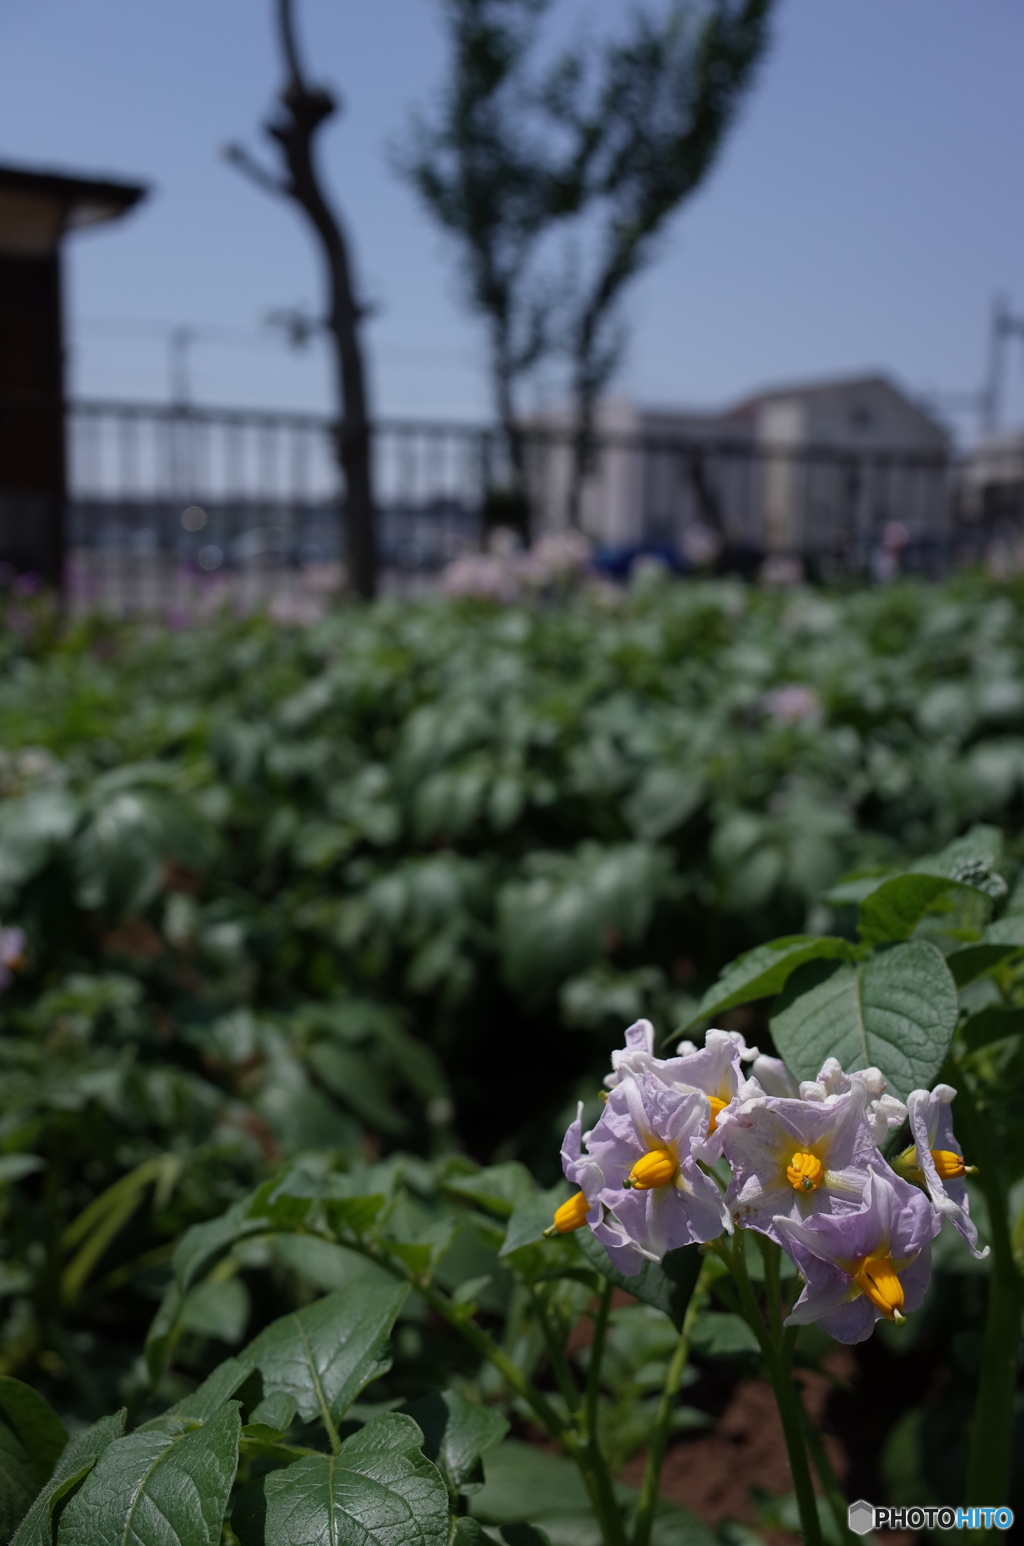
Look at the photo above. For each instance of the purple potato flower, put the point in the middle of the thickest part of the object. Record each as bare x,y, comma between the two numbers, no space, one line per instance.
655,1194
884,1112
774,1077
936,1158
865,1265
12,954
713,1070
795,1158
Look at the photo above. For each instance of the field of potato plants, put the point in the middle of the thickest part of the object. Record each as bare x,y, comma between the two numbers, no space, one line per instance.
338,1206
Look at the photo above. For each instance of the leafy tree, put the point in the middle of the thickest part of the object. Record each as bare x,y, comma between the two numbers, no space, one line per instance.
489,174
655,117
305,108
608,140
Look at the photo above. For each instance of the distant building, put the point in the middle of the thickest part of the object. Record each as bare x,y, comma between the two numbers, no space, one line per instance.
992,485
811,468
37,210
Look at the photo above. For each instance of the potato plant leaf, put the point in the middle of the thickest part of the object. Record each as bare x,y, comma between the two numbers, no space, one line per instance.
155,1488
999,941
765,971
667,1285
895,1011
456,1435
379,1490
323,1355
19,1482
77,1460
35,1423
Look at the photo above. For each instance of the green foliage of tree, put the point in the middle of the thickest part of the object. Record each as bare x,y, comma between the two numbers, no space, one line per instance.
605,142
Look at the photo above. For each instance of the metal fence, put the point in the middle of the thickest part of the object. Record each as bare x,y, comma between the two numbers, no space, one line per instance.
180,507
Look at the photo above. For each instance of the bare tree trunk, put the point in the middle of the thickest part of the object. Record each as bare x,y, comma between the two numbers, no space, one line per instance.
504,376
305,109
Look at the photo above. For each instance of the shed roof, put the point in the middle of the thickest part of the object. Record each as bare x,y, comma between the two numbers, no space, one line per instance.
37,208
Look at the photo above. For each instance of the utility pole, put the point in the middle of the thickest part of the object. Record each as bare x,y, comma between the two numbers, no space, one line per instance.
1003,326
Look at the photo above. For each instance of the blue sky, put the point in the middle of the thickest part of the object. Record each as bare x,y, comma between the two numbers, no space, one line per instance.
867,207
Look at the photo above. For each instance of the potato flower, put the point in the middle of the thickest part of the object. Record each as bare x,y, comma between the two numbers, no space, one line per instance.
936,1161
884,1112
860,1267
12,954
794,1158
637,1168
713,1070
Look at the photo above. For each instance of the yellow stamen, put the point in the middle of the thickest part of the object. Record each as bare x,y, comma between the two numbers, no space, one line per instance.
571,1215
655,1168
877,1279
949,1165
805,1172
716,1106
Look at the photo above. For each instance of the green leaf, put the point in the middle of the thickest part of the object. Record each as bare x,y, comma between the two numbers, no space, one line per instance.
353,1079
524,1535
723,1335
763,972
196,1252
667,1285
215,1309
34,1422
32,828
76,1461
993,1023
456,1435
469,1532
896,1011
525,1483
220,1386
379,1490
664,798
325,1354
999,941
20,1480
14,1166
894,909
532,1217
155,1488
499,1189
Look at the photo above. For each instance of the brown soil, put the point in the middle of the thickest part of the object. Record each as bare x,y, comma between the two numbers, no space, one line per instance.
717,1474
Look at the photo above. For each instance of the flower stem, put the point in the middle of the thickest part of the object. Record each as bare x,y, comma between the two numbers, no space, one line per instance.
566,1383
589,1460
596,1358
663,1417
988,1458
786,1398
828,1478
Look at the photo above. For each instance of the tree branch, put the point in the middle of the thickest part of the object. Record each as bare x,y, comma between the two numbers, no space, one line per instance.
238,157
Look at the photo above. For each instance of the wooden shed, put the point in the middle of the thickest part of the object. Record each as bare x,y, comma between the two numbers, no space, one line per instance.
37,211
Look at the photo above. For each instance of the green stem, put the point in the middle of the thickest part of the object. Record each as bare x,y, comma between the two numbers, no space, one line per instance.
789,1336
566,1383
829,1480
591,1464
988,1457
596,1356
663,1417
773,1293
786,1398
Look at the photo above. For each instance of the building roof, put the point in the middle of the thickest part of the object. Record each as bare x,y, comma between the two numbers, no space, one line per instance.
37,208
832,386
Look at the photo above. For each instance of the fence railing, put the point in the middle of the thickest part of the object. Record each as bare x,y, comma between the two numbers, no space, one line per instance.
171,504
